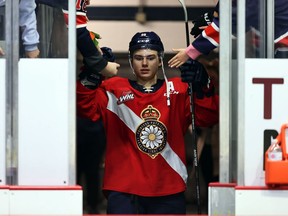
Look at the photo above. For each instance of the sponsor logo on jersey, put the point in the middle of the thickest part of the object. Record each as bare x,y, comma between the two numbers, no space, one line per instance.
151,134
171,89
126,96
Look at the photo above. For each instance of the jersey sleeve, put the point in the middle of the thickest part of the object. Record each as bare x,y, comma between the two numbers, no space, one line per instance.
93,59
206,41
89,102
207,111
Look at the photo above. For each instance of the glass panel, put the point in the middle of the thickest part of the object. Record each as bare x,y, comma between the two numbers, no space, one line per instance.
261,18
2,29
281,29
42,34
225,93
52,30
42,27
55,67
256,28
2,99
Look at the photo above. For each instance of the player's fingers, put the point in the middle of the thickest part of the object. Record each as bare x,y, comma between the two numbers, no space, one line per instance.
176,50
174,59
174,64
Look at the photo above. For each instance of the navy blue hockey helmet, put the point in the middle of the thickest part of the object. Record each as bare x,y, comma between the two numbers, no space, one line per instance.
146,40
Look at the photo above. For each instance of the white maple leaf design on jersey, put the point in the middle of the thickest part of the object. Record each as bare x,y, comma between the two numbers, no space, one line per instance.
152,137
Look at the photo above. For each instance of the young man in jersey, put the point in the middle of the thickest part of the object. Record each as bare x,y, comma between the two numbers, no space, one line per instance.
145,121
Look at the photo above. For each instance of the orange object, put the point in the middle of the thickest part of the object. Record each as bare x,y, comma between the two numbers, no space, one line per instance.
284,140
94,36
276,163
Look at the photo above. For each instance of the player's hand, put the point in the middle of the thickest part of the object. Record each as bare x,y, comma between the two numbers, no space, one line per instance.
32,54
201,23
180,58
194,72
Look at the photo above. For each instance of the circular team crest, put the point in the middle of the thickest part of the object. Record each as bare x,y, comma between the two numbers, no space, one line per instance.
151,135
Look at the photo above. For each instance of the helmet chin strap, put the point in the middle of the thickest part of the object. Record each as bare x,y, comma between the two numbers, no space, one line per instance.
166,82
130,63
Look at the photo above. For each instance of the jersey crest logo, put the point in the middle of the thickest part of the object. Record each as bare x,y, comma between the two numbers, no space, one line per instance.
126,96
151,134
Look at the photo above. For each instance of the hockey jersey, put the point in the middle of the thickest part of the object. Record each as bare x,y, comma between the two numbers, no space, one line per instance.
145,152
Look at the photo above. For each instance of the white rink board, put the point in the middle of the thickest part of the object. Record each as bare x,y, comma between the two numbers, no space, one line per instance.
43,122
261,202
255,122
46,202
221,199
4,200
2,121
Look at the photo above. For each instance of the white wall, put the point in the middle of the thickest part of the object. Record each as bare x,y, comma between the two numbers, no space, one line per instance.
118,34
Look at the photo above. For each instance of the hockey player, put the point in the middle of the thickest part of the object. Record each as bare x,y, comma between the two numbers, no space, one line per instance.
145,121
208,39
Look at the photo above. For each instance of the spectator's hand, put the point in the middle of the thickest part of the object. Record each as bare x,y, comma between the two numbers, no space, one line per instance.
2,53
32,54
110,70
180,58
194,72
201,23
